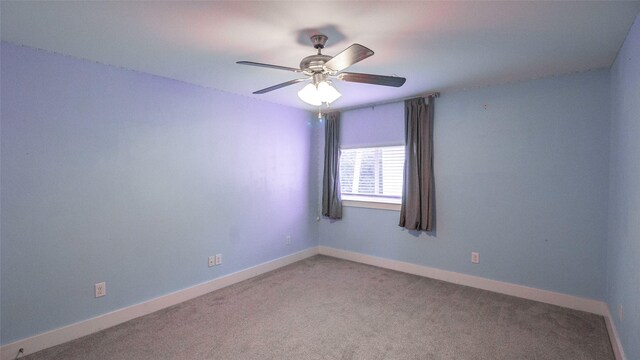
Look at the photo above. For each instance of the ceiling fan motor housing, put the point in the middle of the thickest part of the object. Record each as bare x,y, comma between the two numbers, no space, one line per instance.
314,64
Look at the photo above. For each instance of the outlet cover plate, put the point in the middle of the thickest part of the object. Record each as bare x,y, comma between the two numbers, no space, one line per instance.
101,289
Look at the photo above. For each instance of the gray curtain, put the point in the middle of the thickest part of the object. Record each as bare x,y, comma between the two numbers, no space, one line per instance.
331,201
416,212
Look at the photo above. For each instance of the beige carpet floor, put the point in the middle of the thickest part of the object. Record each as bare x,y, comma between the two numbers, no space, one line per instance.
326,308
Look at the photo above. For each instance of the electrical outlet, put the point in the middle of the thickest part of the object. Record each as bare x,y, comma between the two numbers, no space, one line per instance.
475,257
218,259
212,261
288,240
101,289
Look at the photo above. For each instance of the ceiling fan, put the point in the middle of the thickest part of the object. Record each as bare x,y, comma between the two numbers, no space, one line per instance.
320,69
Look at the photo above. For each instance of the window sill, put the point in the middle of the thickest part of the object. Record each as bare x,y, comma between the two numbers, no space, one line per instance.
371,205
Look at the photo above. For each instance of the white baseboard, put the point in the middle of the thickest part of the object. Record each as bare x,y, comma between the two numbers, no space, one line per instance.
618,351
89,326
545,296
86,327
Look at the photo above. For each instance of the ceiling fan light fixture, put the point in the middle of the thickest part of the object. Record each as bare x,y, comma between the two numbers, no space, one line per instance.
315,95
309,94
328,93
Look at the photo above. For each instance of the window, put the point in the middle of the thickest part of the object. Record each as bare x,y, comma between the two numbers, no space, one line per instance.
372,174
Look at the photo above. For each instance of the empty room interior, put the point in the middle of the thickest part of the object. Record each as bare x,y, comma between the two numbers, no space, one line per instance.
320,180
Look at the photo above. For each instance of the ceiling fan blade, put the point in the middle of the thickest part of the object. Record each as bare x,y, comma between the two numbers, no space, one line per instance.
348,57
394,81
275,87
277,67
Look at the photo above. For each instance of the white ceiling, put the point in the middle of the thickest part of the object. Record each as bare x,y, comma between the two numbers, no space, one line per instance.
435,45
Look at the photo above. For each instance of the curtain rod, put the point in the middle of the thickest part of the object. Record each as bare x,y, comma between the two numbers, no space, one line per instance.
434,94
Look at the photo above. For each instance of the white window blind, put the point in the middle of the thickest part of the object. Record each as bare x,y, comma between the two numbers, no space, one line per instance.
372,174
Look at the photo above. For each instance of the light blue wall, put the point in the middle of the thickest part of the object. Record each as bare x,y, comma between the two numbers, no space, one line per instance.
521,177
623,262
373,126
117,176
